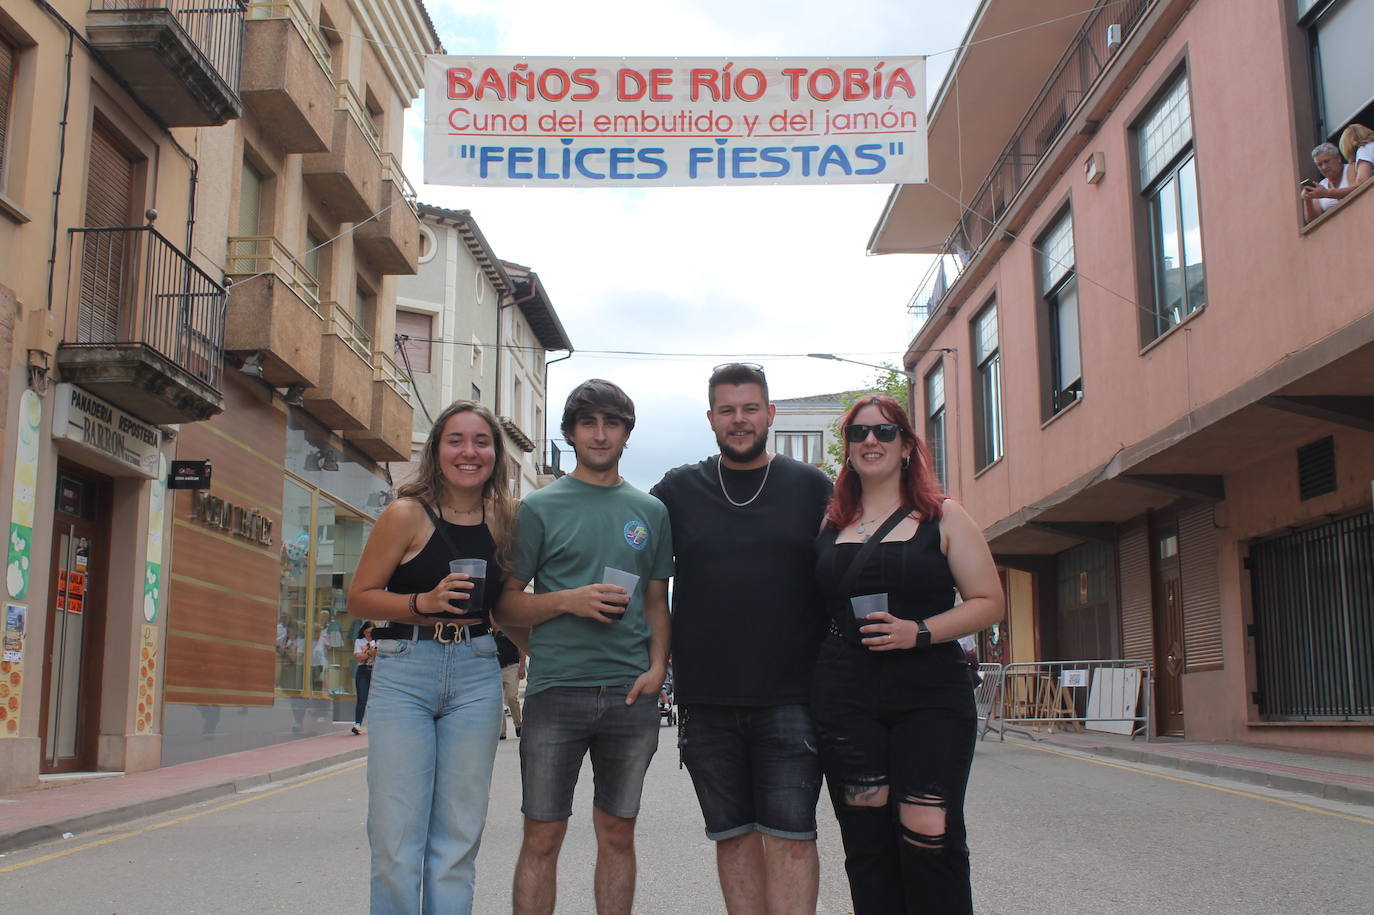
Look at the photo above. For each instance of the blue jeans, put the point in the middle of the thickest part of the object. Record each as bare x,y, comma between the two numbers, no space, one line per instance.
436,713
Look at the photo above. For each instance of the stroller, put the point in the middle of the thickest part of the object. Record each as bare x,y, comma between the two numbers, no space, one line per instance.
667,709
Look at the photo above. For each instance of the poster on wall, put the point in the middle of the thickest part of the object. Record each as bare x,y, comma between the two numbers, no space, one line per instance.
642,122
147,680
12,668
152,576
25,486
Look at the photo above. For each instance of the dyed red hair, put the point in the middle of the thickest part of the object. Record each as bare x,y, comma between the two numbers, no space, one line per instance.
919,484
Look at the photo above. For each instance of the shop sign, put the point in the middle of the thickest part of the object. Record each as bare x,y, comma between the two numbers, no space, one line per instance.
248,523
85,419
189,475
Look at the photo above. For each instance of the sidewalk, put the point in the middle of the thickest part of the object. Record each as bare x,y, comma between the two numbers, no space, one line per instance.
41,814
1347,779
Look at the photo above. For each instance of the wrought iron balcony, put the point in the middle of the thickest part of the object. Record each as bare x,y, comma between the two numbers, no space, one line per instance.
149,333
1089,53
182,58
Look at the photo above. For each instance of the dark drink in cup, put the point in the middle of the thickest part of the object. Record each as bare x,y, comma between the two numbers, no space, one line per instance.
476,570
627,580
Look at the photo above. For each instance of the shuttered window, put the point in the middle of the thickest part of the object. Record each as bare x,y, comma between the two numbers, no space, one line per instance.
8,53
1197,549
1137,620
105,256
416,351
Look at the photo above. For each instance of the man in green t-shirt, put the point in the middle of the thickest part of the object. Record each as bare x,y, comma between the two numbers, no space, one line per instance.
598,652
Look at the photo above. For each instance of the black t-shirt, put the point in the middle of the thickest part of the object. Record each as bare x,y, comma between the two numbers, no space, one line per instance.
746,616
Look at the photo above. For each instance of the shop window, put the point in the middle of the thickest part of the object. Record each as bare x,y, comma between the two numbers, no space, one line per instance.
801,446
414,352
1342,68
294,591
1060,353
1168,182
987,386
935,422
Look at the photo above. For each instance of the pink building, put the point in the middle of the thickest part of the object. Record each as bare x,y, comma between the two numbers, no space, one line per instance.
1146,376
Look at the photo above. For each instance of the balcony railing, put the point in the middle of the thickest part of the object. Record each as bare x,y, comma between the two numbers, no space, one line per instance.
250,255
215,27
350,332
391,171
387,371
348,100
295,12
137,288
1088,55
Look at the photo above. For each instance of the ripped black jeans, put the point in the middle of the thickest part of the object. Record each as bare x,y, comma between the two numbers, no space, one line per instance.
896,732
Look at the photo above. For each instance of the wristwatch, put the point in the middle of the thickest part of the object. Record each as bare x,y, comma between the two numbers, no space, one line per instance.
922,634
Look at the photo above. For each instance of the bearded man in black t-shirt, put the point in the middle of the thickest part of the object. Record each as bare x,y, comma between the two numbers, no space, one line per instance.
746,629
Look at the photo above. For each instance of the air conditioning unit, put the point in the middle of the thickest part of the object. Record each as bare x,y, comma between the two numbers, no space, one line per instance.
1113,36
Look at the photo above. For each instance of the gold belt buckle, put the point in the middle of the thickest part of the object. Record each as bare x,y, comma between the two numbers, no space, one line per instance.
453,631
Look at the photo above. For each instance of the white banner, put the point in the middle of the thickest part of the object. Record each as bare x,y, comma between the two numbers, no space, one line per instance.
674,122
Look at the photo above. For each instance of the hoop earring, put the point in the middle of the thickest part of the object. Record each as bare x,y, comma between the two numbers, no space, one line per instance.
906,462
849,462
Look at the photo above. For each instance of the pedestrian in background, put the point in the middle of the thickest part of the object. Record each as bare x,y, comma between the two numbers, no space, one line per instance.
892,700
365,651
746,628
598,651
512,660
436,691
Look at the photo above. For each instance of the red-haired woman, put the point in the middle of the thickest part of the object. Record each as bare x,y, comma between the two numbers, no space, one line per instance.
892,701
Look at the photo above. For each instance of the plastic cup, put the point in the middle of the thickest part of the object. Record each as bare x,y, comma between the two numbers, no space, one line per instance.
476,570
627,580
864,604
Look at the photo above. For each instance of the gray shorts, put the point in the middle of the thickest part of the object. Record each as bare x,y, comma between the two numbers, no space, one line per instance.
561,724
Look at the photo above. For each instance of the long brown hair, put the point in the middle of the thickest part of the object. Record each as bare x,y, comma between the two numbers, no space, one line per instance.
920,488
498,506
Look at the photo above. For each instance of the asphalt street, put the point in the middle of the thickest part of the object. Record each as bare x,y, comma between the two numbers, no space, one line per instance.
1051,831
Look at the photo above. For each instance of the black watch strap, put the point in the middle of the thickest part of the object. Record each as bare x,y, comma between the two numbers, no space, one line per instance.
922,634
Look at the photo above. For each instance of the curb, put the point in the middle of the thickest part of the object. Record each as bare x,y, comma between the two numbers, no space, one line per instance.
28,836
1315,787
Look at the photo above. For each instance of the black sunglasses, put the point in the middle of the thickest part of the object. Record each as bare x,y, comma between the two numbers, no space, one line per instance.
858,432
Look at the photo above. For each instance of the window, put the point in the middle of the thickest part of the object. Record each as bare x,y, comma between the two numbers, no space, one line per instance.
935,421
1168,181
1342,67
414,352
517,402
1059,291
987,386
476,394
801,446
9,55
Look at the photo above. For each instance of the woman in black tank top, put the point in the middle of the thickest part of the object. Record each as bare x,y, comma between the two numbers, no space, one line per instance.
892,699
435,704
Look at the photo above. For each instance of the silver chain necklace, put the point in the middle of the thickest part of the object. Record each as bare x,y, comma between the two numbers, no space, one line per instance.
721,478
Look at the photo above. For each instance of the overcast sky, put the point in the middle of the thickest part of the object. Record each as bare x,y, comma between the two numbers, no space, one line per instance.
767,270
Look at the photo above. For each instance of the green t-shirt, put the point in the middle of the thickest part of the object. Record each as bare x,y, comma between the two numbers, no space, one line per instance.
567,533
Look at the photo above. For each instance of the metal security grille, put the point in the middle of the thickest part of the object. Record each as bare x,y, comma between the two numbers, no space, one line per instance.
1314,622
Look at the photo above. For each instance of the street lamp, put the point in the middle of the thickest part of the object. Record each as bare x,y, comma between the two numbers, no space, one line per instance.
910,376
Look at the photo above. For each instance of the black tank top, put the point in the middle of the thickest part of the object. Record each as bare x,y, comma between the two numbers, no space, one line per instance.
428,567
913,573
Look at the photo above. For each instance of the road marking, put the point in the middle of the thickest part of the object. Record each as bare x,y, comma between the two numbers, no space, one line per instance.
182,819
1189,781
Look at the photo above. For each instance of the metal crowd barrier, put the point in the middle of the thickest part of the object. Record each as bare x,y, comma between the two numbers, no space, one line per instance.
1112,695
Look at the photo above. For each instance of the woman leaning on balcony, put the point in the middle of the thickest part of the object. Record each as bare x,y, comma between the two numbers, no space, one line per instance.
435,704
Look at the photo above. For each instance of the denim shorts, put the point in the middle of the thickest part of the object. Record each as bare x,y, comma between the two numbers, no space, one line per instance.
562,723
754,768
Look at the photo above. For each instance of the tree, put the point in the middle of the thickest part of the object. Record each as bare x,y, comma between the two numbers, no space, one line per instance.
888,380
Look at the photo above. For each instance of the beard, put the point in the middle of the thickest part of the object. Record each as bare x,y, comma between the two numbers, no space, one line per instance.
742,455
